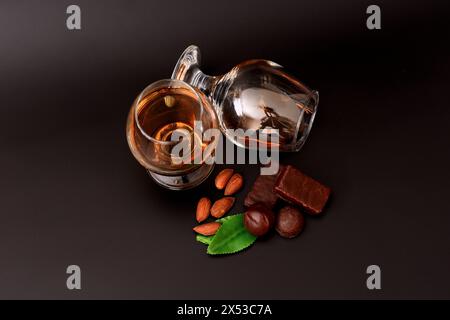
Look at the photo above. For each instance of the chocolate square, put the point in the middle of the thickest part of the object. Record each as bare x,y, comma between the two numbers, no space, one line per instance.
262,190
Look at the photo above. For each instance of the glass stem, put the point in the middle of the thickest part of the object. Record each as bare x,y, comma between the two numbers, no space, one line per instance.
204,82
188,70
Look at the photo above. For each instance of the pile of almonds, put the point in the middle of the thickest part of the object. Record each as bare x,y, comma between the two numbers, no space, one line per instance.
231,183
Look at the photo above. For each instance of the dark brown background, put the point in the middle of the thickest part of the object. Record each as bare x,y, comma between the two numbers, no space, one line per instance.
71,193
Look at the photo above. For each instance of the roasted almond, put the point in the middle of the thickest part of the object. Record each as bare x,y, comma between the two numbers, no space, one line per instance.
207,229
234,184
221,206
203,207
223,177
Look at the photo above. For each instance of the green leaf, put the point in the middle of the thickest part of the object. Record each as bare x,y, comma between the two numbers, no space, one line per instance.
231,236
204,239
223,219
207,239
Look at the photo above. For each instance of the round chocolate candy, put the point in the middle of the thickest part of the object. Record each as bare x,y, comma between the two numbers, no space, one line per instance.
290,222
258,219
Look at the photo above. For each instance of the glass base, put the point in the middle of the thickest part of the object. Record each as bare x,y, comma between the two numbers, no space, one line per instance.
187,65
183,182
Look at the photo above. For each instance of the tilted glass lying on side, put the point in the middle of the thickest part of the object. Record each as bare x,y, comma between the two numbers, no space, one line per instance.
254,95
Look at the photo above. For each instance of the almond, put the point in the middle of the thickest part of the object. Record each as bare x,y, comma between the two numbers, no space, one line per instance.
234,184
203,206
221,206
223,177
207,229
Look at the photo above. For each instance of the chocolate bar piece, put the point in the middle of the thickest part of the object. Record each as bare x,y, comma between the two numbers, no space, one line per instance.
262,191
297,188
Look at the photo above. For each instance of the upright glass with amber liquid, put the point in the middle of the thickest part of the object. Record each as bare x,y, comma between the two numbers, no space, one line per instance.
165,114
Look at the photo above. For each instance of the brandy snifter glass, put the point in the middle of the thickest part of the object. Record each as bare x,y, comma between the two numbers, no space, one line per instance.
254,95
164,110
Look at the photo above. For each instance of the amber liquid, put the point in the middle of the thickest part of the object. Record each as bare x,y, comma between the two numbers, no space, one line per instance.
159,115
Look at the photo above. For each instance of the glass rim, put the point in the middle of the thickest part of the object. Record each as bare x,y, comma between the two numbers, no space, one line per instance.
163,83
298,141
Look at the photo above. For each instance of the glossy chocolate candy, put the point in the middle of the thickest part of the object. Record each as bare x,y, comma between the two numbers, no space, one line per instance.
259,219
290,222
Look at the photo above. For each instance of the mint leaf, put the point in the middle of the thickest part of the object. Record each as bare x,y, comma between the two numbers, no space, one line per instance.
207,239
223,219
204,239
231,236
